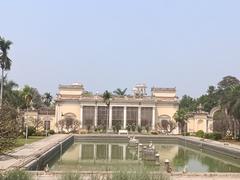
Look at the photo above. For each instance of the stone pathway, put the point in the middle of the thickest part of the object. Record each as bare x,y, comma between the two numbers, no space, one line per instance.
25,154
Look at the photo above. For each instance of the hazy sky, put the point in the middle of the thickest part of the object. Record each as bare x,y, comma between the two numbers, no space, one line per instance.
118,43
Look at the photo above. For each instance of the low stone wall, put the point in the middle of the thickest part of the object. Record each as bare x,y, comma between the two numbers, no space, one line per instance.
108,138
53,153
40,175
211,146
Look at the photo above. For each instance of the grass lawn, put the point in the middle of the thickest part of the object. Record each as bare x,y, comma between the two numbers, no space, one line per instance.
21,140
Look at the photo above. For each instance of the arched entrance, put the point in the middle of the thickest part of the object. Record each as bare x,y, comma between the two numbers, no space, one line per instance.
164,124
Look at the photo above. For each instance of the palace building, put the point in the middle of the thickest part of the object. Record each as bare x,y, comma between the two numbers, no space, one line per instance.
75,105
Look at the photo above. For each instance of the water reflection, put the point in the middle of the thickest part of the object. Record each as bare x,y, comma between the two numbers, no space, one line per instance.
103,156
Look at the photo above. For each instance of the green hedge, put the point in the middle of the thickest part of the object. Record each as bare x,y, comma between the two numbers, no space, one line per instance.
200,133
213,136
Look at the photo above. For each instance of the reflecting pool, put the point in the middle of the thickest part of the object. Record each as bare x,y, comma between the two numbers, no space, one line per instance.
115,156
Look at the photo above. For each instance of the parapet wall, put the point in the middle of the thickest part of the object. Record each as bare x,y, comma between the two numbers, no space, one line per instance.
56,151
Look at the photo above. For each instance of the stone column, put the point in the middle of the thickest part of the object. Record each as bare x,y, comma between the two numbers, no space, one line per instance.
95,116
110,117
139,116
153,117
81,116
124,117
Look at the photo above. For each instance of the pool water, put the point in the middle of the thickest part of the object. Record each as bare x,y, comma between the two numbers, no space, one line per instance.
119,156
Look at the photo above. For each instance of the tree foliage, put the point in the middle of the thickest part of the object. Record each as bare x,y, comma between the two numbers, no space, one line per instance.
120,92
226,95
181,117
9,127
106,97
5,62
47,99
188,103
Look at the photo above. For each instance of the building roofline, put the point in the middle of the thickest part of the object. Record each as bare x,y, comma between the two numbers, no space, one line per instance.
158,89
73,86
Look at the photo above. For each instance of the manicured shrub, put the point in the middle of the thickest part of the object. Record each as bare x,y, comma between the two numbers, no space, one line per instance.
51,131
200,133
147,128
133,127
139,129
213,136
187,134
31,130
128,127
216,136
208,135
154,132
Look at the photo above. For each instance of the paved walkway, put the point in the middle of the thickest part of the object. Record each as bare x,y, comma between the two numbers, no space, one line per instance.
25,154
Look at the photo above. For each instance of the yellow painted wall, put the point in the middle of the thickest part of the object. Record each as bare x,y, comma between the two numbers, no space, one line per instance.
70,92
164,94
70,107
197,123
166,110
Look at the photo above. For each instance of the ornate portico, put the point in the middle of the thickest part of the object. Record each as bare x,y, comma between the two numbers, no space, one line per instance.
138,109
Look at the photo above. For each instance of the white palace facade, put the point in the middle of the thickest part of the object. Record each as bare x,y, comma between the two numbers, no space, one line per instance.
90,111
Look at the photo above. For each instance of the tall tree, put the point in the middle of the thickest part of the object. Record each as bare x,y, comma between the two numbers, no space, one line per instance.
188,103
181,117
5,62
47,99
36,97
120,92
228,82
107,99
11,94
9,128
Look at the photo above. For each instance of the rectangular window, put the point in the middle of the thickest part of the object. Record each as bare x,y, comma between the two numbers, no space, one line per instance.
88,116
146,116
117,115
132,115
102,115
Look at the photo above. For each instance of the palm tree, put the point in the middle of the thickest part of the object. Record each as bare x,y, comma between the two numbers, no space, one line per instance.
120,92
5,62
107,99
11,94
47,99
181,116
